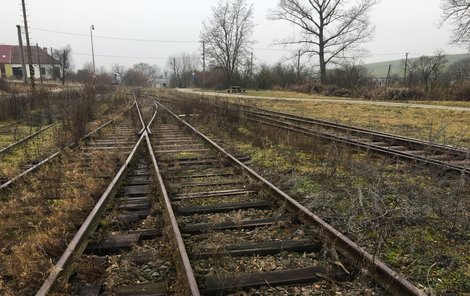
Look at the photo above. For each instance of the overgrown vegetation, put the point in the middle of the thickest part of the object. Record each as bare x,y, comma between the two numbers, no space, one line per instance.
413,217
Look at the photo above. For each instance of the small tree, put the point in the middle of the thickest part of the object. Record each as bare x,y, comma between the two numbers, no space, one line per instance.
227,35
64,55
183,67
428,69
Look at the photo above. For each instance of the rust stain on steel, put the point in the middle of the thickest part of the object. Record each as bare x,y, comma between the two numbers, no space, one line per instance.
183,255
87,228
385,276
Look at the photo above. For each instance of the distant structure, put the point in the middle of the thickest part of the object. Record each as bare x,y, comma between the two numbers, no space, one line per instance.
10,63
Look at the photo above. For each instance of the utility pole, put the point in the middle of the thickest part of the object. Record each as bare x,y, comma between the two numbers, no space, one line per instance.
52,62
406,65
174,69
28,47
387,81
203,56
298,66
39,64
251,64
23,63
203,64
92,27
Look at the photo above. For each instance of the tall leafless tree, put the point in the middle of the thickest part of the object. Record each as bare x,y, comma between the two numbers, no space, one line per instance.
64,55
457,13
328,27
227,34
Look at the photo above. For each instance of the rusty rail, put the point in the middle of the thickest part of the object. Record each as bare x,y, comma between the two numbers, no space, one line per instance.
183,258
389,279
13,145
78,243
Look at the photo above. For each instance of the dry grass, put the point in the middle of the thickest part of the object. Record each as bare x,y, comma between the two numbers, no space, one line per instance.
40,217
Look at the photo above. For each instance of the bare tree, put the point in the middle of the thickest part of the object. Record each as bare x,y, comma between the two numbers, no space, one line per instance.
142,74
457,13
428,69
118,69
183,67
64,55
227,35
328,27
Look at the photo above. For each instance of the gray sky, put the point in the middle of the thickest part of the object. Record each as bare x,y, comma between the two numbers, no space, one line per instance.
401,26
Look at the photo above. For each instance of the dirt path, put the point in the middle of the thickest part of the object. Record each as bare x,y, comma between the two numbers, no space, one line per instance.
378,103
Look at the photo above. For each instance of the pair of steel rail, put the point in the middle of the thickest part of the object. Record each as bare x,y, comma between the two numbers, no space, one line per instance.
390,280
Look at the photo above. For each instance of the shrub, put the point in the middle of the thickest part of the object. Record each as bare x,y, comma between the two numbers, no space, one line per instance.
4,86
461,91
400,93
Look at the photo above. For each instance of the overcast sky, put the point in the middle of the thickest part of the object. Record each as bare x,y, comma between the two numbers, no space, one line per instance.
401,26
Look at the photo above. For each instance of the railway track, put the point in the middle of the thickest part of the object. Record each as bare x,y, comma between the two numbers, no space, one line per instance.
226,229
446,157
117,138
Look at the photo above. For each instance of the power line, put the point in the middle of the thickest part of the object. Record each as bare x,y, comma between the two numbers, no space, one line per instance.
116,56
115,38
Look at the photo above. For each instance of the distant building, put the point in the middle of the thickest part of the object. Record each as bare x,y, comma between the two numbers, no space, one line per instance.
10,62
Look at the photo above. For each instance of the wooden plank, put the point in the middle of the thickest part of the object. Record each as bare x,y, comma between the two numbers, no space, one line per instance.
208,184
137,180
246,224
137,189
261,248
182,151
208,175
135,205
205,194
217,285
225,207
194,162
90,290
147,289
127,218
146,234
113,244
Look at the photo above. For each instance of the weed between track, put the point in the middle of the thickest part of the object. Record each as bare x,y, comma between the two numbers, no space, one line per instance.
413,217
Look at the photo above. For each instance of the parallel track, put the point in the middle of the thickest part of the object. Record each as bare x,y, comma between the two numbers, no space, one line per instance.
446,157
91,142
222,219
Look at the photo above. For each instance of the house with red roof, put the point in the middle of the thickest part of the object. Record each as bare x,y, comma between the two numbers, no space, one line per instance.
10,62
